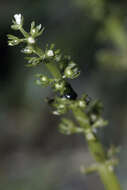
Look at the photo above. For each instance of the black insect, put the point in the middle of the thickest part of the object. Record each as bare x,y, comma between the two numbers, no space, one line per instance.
69,93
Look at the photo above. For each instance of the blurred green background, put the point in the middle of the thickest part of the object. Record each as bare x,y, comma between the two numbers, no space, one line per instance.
33,154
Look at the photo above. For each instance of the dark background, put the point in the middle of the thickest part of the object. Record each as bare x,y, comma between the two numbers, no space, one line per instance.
33,154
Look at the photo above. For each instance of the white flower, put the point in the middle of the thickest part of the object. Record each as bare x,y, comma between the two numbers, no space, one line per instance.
50,53
39,27
27,50
10,44
81,103
31,40
56,113
33,31
59,86
44,79
18,19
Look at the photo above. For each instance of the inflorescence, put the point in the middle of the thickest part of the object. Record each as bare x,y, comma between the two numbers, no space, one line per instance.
65,98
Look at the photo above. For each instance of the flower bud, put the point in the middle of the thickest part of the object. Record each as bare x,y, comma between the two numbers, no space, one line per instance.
56,113
13,40
59,85
71,71
81,104
44,79
50,53
27,50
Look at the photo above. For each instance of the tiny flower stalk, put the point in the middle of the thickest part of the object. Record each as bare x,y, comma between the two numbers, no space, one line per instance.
86,112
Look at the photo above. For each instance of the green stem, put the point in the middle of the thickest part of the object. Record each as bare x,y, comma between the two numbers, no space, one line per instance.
24,33
54,70
105,171
95,146
108,177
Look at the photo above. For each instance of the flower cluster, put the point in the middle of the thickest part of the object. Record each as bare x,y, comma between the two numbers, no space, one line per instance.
13,40
68,127
71,71
28,38
94,111
67,97
36,31
68,68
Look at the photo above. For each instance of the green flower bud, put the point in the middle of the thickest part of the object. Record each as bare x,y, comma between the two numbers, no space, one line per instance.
38,82
89,135
81,104
36,31
13,40
99,123
13,43
59,85
68,127
44,79
71,71
56,113
60,108
27,50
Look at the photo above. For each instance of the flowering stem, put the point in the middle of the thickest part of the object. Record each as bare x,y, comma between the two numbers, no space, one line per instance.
106,173
67,98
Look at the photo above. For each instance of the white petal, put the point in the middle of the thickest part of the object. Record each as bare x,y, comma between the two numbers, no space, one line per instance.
18,18
50,53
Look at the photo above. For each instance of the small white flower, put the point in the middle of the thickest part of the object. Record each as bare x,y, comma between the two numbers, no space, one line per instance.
31,40
59,86
69,72
81,103
61,106
15,41
90,136
39,27
18,19
27,50
44,79
56,113
50,53
10,44
33,31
